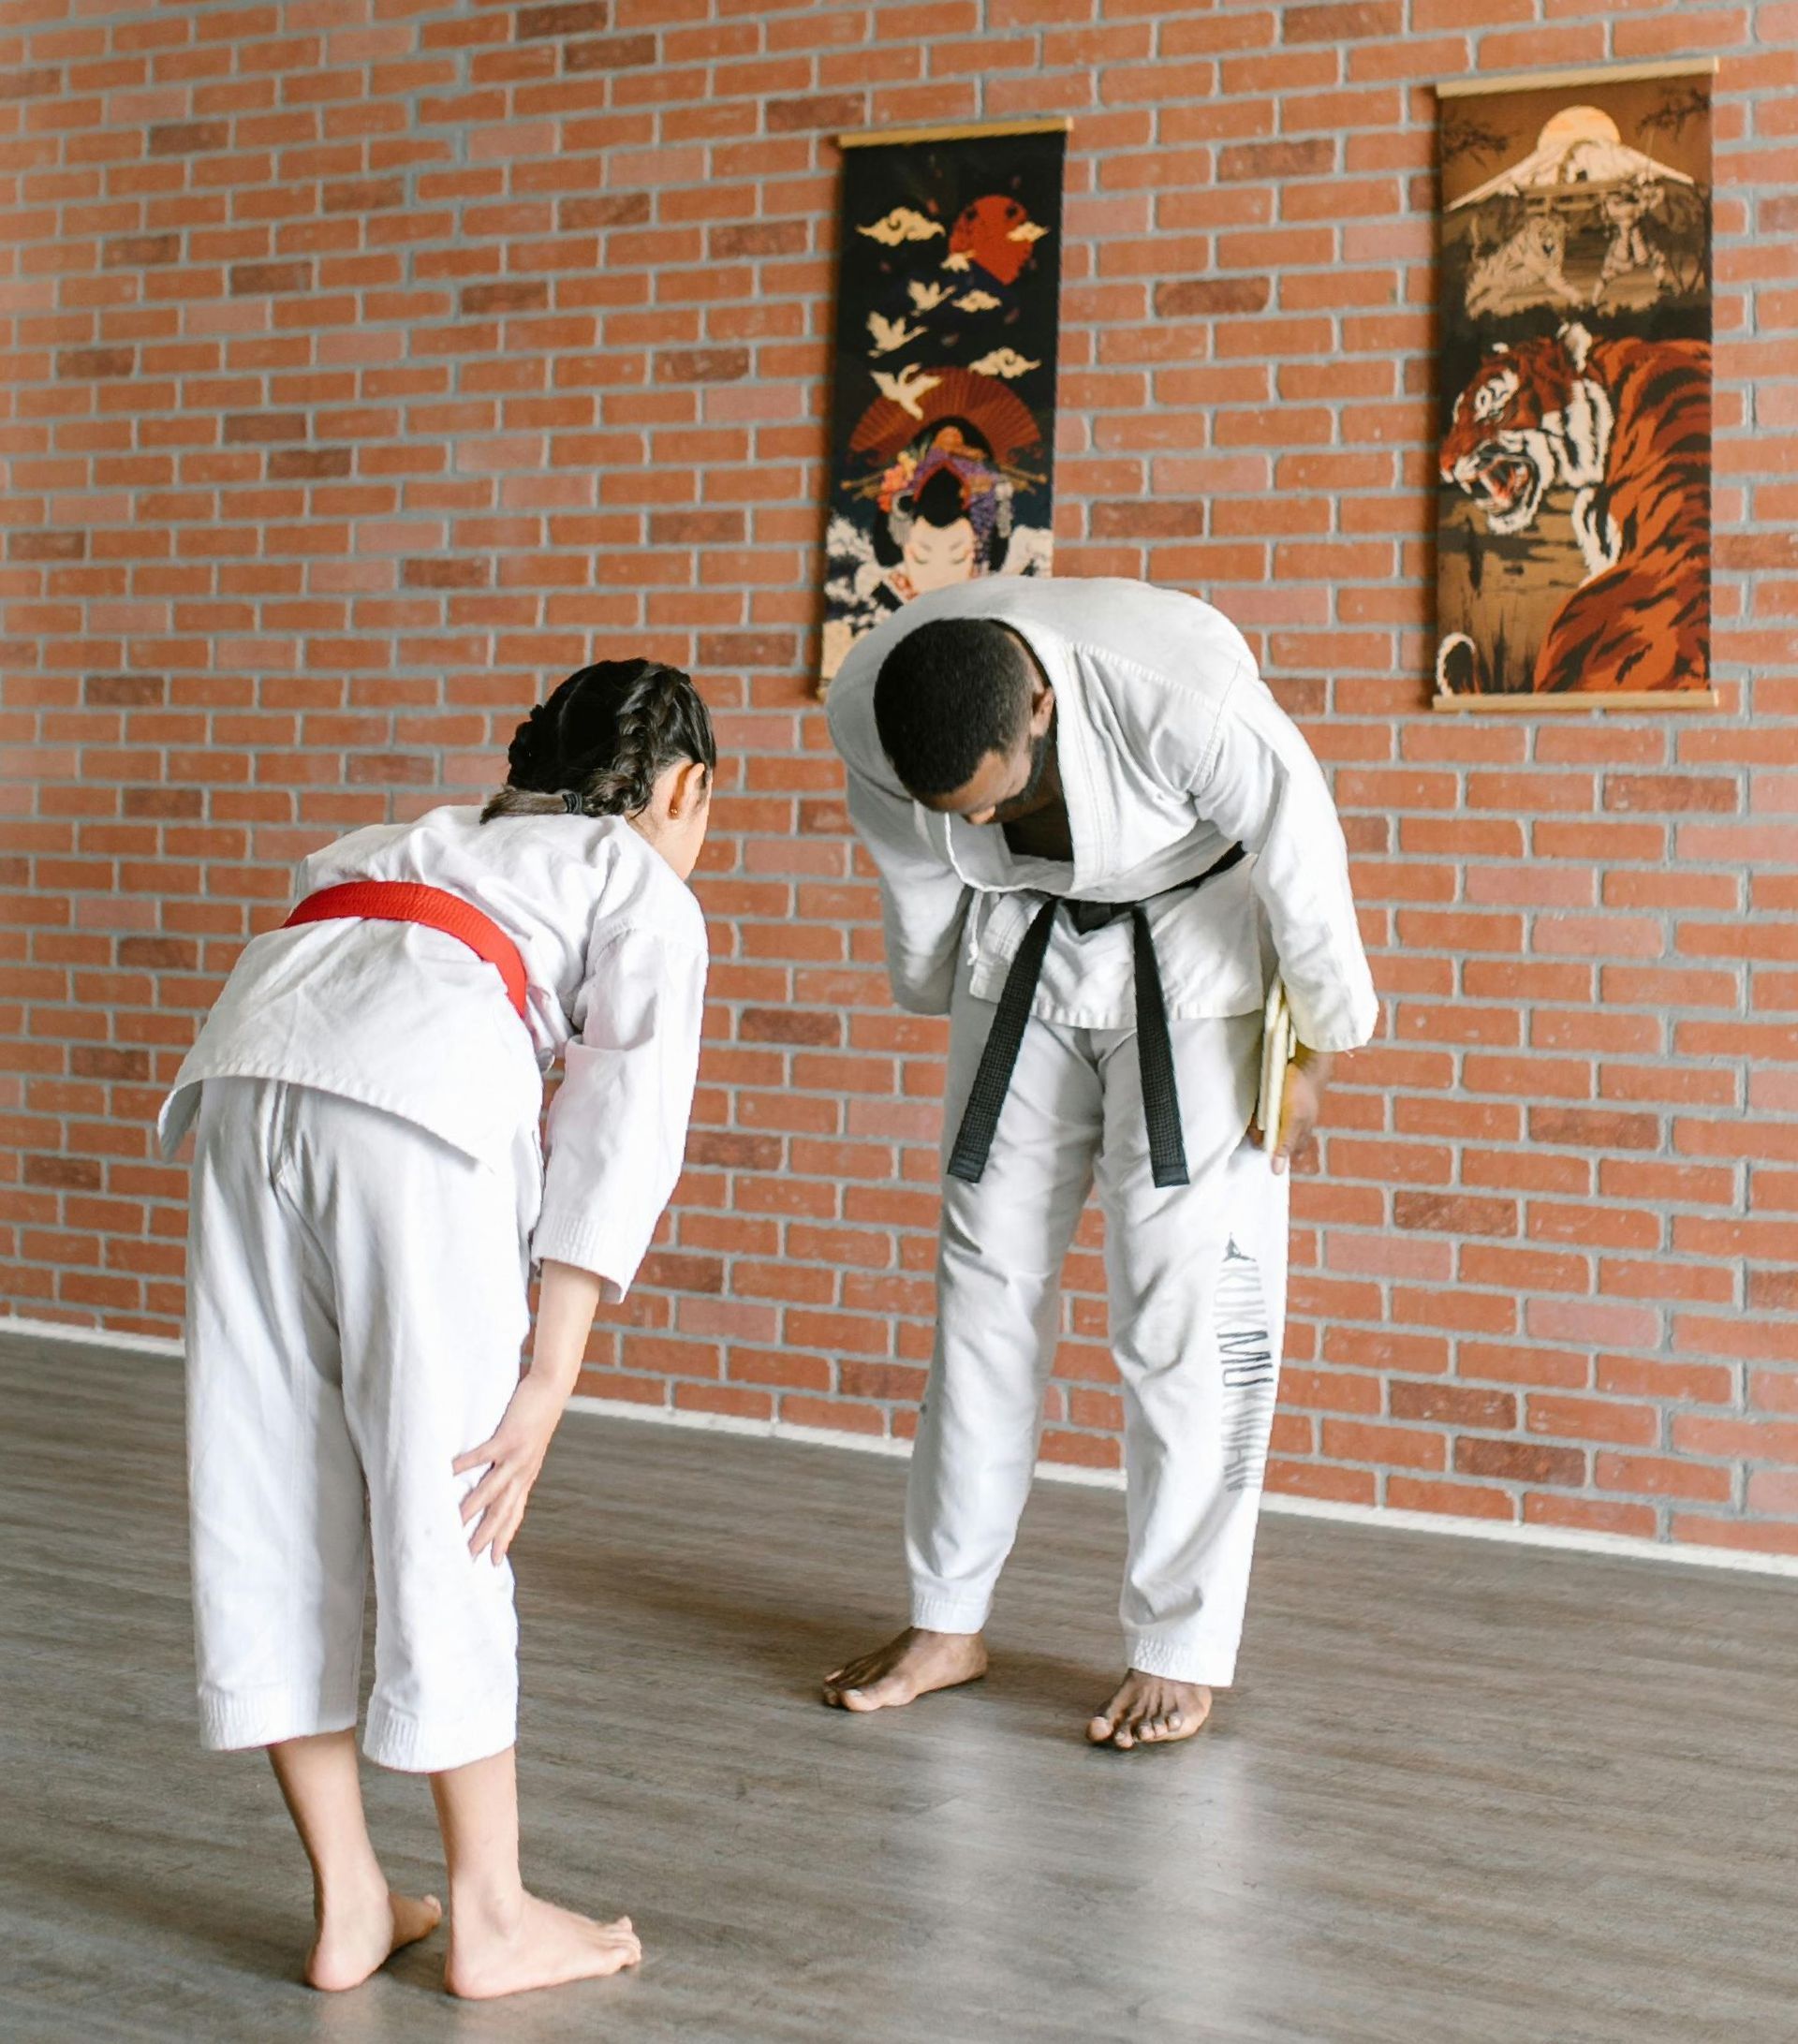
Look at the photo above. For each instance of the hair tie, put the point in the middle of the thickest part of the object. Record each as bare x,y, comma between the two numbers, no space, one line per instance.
576,805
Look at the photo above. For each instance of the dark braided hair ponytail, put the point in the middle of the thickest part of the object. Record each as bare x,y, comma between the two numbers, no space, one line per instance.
595,747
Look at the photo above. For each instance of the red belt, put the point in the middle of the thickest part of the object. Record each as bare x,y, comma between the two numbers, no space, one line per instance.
407,901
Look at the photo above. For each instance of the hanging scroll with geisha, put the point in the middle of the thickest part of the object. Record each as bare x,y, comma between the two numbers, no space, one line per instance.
944,415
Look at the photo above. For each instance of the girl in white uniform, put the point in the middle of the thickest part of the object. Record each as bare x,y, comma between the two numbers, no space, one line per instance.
368,1199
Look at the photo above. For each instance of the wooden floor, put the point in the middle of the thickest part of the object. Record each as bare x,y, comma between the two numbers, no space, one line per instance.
1463,1792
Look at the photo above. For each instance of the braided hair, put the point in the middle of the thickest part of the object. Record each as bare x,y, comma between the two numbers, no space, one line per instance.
596,745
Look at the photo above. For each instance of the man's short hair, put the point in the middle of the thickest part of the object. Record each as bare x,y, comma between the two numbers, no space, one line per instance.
947,695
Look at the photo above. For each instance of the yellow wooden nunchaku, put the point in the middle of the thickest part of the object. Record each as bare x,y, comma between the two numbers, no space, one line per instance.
1279,1042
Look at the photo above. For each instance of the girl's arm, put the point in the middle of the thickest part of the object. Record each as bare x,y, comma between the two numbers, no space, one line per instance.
618,1127
512,1457
617,1131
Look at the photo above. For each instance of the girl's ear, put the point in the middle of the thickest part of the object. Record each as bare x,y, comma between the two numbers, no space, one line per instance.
691,786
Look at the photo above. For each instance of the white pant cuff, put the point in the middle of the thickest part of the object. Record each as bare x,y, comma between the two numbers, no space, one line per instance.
414,1745
1209,1663
948,1610
264,1717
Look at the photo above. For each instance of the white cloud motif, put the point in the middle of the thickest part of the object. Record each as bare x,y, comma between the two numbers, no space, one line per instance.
1029,231
1003,362
843,536
903,224
957,258
978,302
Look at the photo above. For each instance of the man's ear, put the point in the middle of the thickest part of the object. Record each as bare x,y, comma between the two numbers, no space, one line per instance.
1043,705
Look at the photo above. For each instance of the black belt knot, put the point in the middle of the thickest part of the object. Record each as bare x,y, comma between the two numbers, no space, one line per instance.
1154,1046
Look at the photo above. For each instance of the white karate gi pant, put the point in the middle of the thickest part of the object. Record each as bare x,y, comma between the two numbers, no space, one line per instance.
356,1306
1197,1282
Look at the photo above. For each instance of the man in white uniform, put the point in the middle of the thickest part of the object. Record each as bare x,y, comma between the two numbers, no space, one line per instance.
1098,836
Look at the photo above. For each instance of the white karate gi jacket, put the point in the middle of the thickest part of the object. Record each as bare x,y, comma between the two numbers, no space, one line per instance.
1171,749
411,1021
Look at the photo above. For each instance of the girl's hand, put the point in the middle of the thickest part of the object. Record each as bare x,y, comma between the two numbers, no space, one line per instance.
511,1459
564,1310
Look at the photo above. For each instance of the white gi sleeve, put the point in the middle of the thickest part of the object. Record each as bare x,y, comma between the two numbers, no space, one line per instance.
1261,783
924,901
618,1126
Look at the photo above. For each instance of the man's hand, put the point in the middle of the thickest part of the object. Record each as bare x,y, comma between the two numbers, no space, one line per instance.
1308,1077
511,1459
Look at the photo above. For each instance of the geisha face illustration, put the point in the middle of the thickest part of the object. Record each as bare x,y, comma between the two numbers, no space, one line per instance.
939,554
941,512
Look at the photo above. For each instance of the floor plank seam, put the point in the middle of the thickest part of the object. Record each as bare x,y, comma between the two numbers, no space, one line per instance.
1381,1518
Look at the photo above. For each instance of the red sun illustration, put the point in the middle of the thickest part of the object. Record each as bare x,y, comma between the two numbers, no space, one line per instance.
984,232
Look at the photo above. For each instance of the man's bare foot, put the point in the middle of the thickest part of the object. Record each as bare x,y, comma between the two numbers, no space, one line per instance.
906,1668
357,1939
1150,1710
535,1945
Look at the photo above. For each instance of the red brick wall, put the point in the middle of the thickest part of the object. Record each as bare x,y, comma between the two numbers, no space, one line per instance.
370,363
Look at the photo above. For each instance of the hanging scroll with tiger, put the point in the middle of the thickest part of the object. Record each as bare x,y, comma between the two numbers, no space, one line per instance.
1573,527
943,416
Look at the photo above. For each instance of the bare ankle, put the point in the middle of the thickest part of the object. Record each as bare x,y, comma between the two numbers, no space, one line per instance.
486,1907
353,1888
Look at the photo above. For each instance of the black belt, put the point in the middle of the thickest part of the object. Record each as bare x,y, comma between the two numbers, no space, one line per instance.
1154,1048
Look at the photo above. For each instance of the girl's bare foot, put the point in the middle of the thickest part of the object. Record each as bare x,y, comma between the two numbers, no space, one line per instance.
504,1940
530,1944
908,1666
356,1939
1150,1710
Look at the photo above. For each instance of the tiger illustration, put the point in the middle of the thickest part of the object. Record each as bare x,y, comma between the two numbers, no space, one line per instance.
1625,425
1526,270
